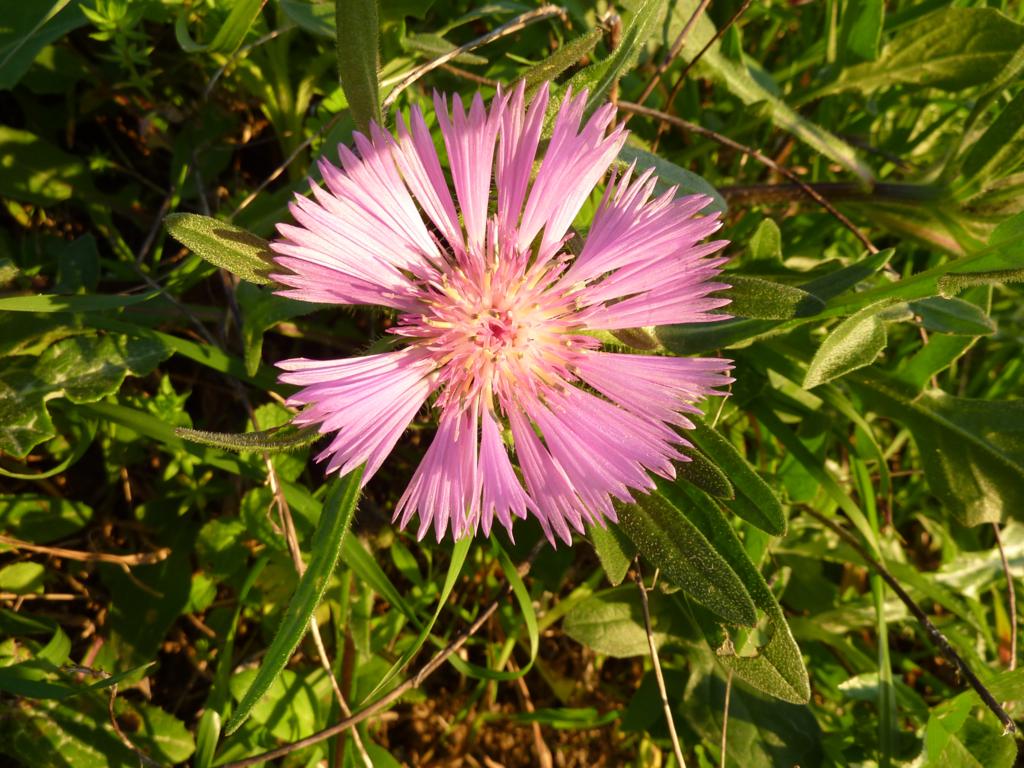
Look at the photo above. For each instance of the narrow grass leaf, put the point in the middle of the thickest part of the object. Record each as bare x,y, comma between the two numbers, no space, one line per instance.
327,543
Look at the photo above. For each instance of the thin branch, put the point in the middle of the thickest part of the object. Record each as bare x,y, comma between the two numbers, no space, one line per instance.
933,632
145,558
677,86
519,22
677,46
144,759
676,746
725,718
383,703
686,125
1011,596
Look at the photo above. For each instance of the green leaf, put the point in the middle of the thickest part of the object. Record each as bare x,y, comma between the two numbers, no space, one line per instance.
705,474
759,299
668,540
27,29
599,78
768,657
434,45
50,302
739,81
1000,149
854,343
761,731
953,316
327,545
22,578
261,310
232,32
972,450
702,337
316,17
274,440
614,550
81,368
223,245
754,500
358,30
766,243
861,30
40,518
951,48
612,622
33,170
670,174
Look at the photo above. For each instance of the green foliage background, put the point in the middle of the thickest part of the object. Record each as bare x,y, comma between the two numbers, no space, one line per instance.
150,608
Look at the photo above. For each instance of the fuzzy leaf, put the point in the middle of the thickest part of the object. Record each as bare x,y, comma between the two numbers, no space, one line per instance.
759,299
953,316
854,343
667,538
358,32
614,550
223,245
612,622
754,500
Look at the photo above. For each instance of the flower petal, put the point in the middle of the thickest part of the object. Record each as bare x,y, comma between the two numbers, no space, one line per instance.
369,401
573,163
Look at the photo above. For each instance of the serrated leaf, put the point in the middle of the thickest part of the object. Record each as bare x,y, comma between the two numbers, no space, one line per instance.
972,450
82,368
612,622
671,175
954,316
951,48
614,550
758,299
855,343
754,500
667,539
767,658
327,544
223,245
358,30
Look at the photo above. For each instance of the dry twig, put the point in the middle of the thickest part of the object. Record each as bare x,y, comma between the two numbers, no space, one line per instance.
686,125
658,676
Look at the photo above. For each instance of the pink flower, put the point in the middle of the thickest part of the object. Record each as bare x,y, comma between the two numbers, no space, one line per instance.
495,312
